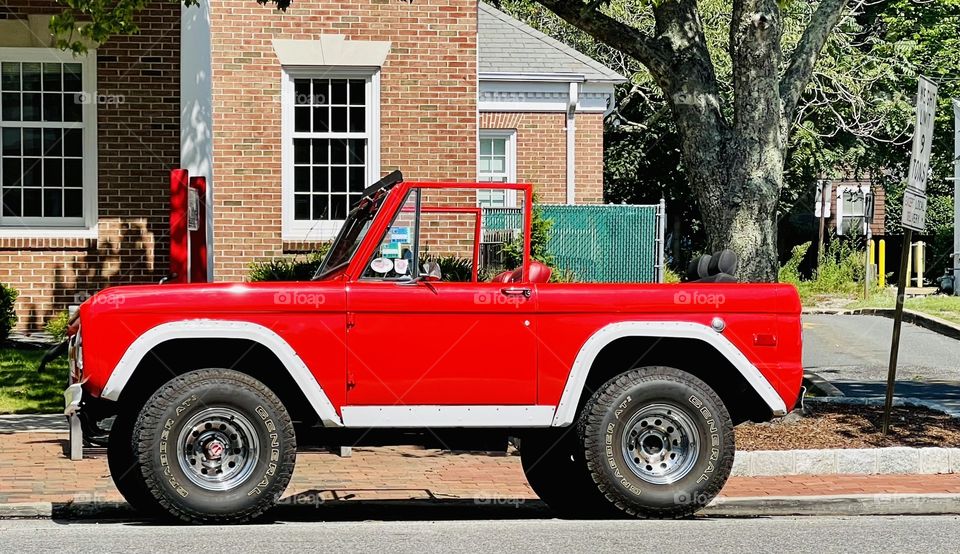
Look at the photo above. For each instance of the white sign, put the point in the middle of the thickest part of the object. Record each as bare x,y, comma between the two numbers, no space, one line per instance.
193,209
824,189
915,215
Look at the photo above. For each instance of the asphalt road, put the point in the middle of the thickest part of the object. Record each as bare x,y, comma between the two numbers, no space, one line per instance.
857,348
780,535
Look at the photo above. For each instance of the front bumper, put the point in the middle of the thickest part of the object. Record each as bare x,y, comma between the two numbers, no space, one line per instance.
72,397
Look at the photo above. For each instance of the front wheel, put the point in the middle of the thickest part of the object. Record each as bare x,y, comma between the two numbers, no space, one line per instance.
658,442
215,446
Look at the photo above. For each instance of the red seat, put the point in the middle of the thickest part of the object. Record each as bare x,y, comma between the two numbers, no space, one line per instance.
539,273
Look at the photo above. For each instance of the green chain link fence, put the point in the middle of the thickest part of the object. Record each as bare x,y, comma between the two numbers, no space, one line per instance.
597,243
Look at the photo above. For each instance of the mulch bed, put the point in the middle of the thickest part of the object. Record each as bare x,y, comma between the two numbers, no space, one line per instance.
845,426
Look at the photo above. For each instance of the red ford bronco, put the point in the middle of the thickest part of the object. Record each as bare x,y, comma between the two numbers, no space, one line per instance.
623,396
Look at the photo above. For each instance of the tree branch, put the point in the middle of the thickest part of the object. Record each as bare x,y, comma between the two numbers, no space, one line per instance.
653,54
805,55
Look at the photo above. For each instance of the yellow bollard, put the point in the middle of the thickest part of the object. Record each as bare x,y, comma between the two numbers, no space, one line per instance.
882,265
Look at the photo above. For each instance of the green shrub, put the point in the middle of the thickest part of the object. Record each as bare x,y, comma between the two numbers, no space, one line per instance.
56,327
8,317
841,269
670,276
452,268
790,272
291,268
539,237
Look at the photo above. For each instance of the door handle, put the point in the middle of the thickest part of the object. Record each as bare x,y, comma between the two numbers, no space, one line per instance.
516,291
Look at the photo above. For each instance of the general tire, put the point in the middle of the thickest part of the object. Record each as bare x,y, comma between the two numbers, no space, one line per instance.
658,442
555,468
215,446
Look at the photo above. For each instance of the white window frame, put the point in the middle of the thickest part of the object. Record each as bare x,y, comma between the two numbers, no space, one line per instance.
511,152
841,189
294,230
46,227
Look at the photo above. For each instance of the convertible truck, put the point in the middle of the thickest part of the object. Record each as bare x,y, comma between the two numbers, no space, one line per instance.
622,398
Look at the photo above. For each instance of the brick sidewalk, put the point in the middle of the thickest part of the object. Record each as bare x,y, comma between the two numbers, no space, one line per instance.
33,469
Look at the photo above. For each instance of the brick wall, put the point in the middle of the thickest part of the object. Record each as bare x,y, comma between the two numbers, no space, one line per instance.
542,153
428,104
139,141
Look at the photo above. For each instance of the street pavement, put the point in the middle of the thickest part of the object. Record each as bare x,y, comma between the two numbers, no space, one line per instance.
853,353
777,535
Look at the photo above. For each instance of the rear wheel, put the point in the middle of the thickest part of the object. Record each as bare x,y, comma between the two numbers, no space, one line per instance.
658,441
554,465
215,446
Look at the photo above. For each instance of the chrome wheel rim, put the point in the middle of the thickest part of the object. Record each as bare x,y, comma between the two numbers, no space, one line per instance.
218,449
660,444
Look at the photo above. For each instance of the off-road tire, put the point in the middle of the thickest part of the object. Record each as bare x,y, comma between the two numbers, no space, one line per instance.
160,426
553,462
125,467
607,415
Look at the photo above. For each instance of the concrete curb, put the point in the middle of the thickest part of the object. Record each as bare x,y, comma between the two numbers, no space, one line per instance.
929,322
836,505
847,461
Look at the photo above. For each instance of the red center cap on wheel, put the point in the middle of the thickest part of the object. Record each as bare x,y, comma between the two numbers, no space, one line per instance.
215,449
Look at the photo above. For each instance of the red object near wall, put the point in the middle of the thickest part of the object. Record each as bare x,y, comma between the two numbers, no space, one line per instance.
198,237
179,245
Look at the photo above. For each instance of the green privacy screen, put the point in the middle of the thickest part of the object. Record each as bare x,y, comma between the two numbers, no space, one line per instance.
599,244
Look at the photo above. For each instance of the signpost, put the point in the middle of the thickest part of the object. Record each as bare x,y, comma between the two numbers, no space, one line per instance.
956,197
822,211
914,217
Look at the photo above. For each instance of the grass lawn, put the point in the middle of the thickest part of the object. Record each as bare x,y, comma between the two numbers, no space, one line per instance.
23,390
944,307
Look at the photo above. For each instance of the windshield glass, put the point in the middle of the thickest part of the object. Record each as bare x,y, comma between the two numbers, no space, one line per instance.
351,234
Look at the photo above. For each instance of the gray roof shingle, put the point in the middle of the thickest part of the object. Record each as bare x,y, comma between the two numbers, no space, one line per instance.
508,45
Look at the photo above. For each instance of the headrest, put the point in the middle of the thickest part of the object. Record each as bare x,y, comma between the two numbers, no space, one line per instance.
724,261
503,277
539,273
699,267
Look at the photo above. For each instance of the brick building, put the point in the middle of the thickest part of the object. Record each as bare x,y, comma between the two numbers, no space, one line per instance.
288,115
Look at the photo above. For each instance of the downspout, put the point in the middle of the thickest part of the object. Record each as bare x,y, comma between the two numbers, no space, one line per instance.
574,99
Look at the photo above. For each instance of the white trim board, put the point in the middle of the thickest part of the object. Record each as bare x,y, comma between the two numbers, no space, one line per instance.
567,408
447,416
221,329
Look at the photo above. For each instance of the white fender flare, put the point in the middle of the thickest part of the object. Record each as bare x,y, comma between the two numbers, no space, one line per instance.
567,408
223,329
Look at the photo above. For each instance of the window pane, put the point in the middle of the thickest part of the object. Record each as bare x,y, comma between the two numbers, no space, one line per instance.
51,77
73,107
338,207
356,179
301,88
10,76
32,172
301,179
53,107
357,92
11,202
301,119
72,81
338,179
338,151
338,119
73,203
321,206
11,141
11,172
497,165
338,91
31,76
52,172
73,173
31,106
484,165
358,120
500,147
357,149
53,203
301,206
321,151
486,147
73,143
32,202
321,119
301,151
10,106
321,92
354,198
52,145
32,142
321,179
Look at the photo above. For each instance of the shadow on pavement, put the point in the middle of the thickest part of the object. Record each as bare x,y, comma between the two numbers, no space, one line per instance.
945,393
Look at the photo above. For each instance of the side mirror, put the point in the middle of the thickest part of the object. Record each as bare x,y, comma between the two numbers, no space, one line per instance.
431,272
